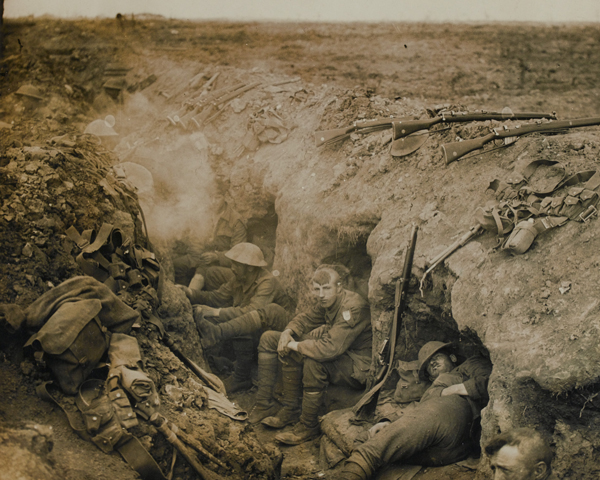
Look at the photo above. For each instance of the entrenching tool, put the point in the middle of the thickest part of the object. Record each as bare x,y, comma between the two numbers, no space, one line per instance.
368,403
328,137
406,145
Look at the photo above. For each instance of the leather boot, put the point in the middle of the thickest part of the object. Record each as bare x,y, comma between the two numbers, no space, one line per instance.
238,327
308,426
242,373
292,393
265,406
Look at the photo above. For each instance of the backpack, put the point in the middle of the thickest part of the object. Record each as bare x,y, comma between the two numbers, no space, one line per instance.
72,342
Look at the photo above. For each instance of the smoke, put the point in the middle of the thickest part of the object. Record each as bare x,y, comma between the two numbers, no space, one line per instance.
178,204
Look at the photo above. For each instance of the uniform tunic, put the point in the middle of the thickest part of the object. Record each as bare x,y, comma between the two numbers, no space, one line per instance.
236,298
438,430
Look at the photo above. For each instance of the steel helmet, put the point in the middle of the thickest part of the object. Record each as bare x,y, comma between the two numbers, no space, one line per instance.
248,254
100,128
427,351
29,91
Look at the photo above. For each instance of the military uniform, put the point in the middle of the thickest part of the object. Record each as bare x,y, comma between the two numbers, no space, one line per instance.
342,356
235,298
438,431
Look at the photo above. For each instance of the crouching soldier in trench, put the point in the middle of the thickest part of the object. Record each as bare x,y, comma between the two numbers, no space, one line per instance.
329,344
439,430
233,308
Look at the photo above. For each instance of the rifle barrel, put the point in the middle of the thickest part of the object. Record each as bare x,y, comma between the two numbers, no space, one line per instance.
405,128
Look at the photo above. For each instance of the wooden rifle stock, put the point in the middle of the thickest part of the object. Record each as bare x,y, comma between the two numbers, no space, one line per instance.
333,135
455,150
368,403
405,128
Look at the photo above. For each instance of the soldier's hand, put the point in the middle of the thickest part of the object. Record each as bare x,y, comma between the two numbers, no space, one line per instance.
284,339
319,331
186,290
208,258
377,428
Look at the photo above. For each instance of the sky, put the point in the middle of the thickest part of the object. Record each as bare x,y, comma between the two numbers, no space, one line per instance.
554,11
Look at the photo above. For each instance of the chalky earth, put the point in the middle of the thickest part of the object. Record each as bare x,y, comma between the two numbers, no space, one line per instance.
150,80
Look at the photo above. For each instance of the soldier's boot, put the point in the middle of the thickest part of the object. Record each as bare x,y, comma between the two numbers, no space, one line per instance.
265,406
308,426
292,393
238,327
242,372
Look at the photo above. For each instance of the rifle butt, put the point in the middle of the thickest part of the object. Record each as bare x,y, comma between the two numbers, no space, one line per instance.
405,128
455,150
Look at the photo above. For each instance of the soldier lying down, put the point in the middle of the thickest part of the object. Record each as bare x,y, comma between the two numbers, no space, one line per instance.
438,431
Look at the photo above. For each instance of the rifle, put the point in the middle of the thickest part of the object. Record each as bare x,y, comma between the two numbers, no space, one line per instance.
211,380
366,126
434,262
455,150
404,129
367,404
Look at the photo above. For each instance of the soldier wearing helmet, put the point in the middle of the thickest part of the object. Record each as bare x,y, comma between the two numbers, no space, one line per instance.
234,305
438,431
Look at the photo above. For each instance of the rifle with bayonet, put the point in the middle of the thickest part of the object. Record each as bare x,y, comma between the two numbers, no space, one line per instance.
368,403
462,241
455,150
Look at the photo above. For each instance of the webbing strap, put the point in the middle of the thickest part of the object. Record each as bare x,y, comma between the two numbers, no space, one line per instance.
140,460
131,450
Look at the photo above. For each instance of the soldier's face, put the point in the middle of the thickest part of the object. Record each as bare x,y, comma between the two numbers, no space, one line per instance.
327,293
439,363
509,464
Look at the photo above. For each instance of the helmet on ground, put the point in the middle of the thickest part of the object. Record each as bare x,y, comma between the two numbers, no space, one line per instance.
100,128
29,91
427,351
248,254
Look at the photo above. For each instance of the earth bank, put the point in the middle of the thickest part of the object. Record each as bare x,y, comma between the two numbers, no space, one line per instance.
535,314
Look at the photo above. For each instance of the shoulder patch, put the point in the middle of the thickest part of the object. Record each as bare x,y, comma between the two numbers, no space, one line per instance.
347,315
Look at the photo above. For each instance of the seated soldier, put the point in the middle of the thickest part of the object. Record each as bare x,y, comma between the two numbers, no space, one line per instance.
206,266
520,454
438,430
331,343
233,307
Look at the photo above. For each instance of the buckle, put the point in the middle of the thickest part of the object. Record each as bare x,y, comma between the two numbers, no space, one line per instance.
588,214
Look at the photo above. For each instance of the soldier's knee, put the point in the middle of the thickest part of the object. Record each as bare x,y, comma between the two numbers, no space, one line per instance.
269,341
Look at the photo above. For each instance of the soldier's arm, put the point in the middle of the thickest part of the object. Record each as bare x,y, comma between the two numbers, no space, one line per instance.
339,338
222,297
307,321
265,292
